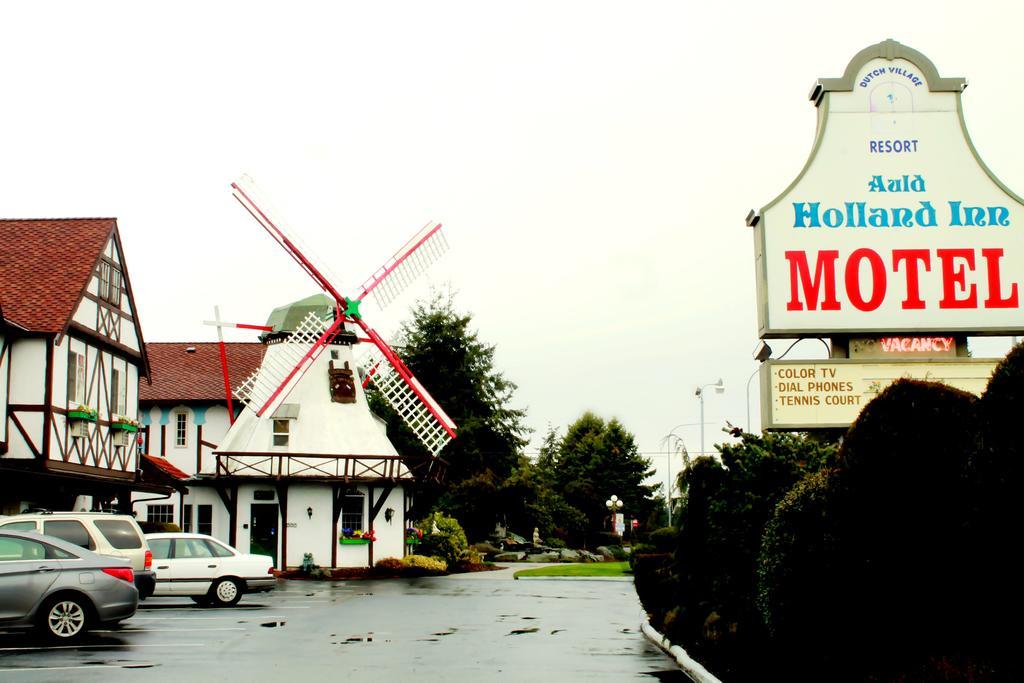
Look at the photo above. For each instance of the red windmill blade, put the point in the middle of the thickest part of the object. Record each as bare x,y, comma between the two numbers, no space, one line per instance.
397,384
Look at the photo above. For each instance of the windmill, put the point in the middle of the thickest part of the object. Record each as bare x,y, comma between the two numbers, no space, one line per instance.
269,386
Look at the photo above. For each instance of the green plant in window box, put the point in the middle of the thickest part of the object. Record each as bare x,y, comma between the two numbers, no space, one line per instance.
356,537
82,412
124,423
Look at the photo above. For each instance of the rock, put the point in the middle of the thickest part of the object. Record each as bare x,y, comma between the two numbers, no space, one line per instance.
486,548
569,555
605,552
542,557
509,557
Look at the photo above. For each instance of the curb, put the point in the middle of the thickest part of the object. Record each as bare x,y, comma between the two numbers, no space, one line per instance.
574,578
692,667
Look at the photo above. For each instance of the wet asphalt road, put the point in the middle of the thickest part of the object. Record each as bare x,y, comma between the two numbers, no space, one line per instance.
447,628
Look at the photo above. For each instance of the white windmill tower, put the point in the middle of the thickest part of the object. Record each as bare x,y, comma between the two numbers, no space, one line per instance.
306,426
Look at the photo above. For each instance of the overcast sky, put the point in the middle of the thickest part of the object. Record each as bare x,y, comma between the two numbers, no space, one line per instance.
592,163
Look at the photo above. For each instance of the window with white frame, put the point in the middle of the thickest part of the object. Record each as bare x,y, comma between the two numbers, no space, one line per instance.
160,513
110,283
352,511
118,391
281,428
76,378
181,429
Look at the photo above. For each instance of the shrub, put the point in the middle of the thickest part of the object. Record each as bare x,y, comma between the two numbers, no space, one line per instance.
159,527
654,582
425,565
389,566
868,557
664,539
486,548
554,542
995,515
638,550
798,568
618,553
448,543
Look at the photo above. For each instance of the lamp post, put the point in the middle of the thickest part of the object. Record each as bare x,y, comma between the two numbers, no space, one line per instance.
667,443
614,505
719,388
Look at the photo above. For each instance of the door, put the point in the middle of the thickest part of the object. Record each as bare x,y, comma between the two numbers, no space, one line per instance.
263,530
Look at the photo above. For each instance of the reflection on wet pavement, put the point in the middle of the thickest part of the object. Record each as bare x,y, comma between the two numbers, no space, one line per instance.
370,631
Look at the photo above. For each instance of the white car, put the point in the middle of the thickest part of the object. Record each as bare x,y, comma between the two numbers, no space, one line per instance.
206,570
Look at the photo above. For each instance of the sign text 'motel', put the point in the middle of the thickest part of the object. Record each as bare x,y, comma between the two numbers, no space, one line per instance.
894,224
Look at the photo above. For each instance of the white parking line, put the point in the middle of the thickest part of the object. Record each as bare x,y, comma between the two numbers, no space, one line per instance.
233,618
168,630
60,668
89,647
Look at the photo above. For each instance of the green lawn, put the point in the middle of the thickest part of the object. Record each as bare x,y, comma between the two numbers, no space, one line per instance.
590,569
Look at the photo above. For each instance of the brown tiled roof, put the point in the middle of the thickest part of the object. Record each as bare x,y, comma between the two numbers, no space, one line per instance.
44,266
179,375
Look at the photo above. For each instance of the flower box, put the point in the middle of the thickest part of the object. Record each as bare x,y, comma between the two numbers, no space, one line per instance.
82,415
353,541
124,426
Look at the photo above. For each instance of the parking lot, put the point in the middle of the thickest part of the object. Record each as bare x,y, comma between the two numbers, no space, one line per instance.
466,628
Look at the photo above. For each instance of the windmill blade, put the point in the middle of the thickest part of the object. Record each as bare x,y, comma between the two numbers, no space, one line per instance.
407,264
406,395
282,369
250,197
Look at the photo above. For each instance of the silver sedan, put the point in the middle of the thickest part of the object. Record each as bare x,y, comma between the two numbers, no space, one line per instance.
61,588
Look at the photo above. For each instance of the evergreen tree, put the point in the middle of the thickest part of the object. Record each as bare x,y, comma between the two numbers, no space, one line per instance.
441,350
594,460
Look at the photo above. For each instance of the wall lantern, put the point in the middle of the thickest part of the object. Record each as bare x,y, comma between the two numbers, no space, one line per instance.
309,511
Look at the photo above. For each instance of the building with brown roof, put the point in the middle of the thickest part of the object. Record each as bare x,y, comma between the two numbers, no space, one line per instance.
71,358
184,415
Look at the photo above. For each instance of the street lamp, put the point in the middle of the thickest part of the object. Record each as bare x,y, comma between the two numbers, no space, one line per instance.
614,505
681,445
719,388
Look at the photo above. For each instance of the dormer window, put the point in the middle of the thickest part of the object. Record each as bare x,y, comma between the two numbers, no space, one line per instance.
110,284
281,421
281,432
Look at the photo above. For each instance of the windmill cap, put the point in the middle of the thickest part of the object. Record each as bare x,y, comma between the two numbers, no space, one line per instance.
285,319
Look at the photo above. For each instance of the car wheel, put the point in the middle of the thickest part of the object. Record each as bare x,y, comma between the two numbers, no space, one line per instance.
64,618
226,593
201,600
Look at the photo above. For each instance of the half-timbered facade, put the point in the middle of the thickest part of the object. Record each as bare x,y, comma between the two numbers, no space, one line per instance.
72,356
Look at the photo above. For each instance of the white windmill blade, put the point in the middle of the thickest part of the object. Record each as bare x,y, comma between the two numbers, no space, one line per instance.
281,370
260,207
409,399
408,263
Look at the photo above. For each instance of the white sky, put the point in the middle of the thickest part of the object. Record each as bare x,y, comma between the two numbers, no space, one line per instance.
592,162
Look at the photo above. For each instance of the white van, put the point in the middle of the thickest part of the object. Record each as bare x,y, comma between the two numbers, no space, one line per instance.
101,532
